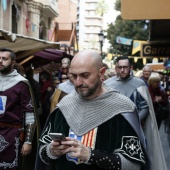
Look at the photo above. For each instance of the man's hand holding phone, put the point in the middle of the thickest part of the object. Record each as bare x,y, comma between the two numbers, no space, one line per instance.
61,145
56,148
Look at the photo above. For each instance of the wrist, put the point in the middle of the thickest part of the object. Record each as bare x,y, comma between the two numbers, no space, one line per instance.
89,156
29,143
48,151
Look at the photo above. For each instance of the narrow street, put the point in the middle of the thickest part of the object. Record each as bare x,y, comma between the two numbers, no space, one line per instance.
165,144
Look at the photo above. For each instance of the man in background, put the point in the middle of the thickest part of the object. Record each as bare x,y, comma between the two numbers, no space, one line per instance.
129,86
63,72
136,90
17,120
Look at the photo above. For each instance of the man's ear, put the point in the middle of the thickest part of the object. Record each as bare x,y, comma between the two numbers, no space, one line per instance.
102,70
13,63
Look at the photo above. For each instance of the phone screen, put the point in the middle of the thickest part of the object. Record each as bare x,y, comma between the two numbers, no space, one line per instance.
57,136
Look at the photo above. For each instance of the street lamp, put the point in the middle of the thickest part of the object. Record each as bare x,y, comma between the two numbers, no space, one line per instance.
101,40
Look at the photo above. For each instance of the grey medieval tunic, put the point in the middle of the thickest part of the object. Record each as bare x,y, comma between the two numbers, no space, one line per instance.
154,147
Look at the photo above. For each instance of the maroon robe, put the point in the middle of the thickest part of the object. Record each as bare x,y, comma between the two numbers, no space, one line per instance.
18,101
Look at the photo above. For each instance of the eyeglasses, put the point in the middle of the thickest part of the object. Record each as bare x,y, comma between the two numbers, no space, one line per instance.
122,67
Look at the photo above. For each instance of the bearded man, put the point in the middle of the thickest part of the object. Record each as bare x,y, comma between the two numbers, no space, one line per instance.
136,90
101,126
17,120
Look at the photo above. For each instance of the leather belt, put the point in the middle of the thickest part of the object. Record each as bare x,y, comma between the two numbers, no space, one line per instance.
10,125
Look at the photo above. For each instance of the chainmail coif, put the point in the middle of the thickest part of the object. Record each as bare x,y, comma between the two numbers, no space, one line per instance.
83,115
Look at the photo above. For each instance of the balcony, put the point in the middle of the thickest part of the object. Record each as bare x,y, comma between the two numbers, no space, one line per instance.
49,7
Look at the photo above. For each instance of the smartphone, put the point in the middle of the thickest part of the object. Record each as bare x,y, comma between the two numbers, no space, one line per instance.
58,137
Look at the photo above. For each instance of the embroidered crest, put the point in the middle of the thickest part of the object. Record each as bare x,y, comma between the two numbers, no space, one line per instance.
131,147
3,100
3,143
88,140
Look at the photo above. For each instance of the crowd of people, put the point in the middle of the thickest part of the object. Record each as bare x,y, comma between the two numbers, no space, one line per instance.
110,120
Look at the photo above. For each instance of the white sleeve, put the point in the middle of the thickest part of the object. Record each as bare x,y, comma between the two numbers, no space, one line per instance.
29,118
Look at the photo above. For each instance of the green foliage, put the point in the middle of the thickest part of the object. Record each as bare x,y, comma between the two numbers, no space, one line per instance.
118,5
101,8
135,30
132,29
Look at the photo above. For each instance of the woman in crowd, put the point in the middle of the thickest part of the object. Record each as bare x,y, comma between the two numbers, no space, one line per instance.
159,98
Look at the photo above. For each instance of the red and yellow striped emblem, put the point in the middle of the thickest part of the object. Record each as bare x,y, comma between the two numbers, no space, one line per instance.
89,138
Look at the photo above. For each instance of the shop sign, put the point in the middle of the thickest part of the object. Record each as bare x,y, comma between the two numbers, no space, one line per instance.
155,50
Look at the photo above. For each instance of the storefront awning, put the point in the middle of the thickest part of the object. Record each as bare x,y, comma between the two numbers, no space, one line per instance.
156,66
24,46
53,55
47,58
144,9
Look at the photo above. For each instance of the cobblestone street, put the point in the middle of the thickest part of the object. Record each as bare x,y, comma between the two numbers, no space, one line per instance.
165,144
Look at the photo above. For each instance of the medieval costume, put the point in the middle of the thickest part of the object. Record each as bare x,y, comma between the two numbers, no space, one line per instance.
133,87
16,119
62,90
107,124
129,88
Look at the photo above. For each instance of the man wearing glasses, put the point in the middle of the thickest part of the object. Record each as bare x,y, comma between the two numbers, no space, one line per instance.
129,86
136,90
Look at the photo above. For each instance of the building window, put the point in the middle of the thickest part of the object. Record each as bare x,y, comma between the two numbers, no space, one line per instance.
14,19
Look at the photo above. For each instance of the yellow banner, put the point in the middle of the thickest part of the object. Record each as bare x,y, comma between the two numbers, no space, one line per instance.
137,46
109,56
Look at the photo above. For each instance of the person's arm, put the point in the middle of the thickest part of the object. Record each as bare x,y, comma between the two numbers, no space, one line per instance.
143,113
142,106
28,119
29,133
112,161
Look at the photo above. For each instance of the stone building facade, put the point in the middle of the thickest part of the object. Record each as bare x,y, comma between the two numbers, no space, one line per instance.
34,18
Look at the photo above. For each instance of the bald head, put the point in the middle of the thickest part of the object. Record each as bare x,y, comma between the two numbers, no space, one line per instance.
90,57
86,73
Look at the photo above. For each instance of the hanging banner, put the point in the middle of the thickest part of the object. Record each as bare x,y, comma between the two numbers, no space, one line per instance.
33,27
122,40
137,46
4,4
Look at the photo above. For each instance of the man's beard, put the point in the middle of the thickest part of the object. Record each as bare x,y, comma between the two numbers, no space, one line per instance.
90,91
6,69
124,77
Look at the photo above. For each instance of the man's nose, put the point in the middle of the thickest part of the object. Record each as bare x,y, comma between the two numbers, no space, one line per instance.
79,81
